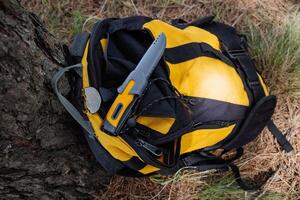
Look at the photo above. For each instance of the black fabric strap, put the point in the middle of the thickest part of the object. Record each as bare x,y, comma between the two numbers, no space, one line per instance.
205,161
245,186
223,165
193,50
243,60
284,143
235,47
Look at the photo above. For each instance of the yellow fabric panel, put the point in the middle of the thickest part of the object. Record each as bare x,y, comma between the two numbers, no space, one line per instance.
148,169
177,37
203,138
208,78
206,36
85,76
124,98
103,43
116,146
263,85
161,125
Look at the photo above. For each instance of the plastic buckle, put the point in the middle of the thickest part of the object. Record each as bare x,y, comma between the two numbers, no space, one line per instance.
253,83
233,54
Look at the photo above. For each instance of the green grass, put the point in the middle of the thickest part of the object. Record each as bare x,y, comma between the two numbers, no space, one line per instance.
276,50
225,188
78,20
221,189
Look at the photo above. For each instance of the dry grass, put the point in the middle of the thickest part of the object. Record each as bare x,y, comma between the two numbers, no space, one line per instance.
182,185
273,29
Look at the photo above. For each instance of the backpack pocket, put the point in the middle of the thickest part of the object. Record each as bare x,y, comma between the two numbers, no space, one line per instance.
256,120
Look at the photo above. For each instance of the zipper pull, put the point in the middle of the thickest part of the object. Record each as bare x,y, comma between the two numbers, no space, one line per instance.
151,148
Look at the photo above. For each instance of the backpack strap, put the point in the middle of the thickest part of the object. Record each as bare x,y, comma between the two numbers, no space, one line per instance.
107,162
234,46
241,57
281,139
193,50
205,161
66,103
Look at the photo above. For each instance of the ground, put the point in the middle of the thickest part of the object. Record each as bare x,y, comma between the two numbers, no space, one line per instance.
272,28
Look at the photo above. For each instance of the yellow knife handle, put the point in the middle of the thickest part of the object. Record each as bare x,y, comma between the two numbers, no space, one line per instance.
120,105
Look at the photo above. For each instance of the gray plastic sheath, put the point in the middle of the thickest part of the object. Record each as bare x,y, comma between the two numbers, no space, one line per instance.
146,66
66,103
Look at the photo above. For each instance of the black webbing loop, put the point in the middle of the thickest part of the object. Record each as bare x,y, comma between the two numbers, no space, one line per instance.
193,50
245,186
205,158
281,139
203,161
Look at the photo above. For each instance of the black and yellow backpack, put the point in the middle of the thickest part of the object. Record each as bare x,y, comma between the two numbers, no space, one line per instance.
204,94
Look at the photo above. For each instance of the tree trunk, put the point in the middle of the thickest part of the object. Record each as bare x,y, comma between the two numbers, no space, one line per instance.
42,152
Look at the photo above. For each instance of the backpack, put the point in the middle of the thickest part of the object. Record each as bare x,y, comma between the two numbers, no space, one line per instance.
204,94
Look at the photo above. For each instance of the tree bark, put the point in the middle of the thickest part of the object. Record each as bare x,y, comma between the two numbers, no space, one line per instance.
43,154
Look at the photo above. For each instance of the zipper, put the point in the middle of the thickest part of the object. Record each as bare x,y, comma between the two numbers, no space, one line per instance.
224,123
149,147
146,151
213,124
209,124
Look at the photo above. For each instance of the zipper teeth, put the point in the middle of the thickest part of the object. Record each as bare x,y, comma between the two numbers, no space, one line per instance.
218,123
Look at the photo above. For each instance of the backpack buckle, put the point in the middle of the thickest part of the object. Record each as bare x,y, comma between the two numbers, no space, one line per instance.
235,53
253,83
